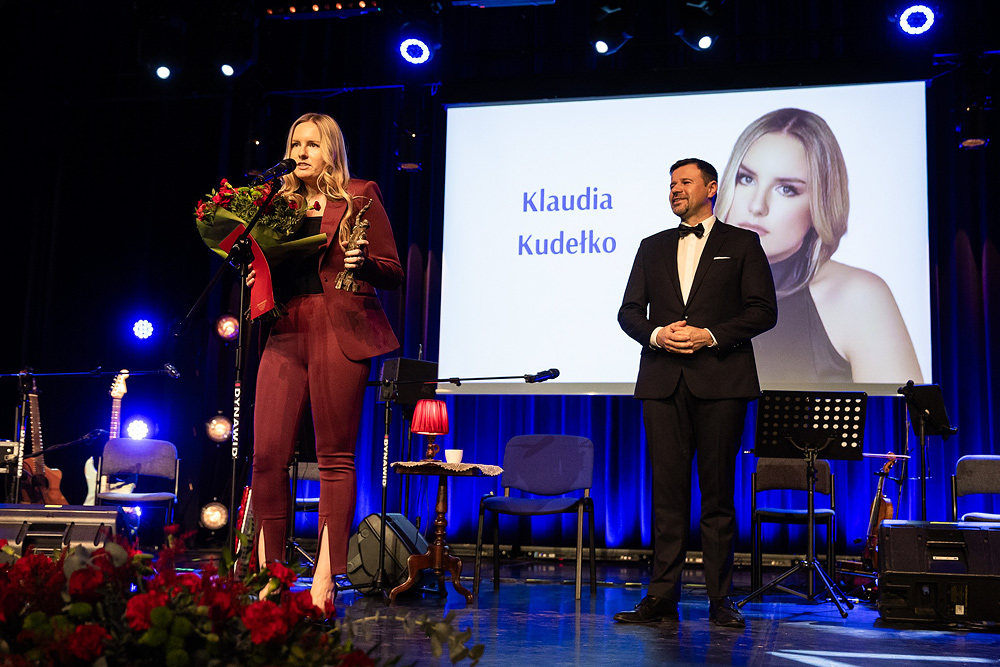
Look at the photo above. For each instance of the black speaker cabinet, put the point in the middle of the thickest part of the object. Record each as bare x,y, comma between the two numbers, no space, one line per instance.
50,529
402,540
939,572
409,374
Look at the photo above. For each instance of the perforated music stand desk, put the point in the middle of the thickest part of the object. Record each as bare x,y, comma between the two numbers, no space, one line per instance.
438,557
810,425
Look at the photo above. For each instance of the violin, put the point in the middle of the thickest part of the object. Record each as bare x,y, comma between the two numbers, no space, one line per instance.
881,510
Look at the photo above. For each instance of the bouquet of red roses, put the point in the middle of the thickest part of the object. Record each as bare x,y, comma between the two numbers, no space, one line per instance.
116,606
223,214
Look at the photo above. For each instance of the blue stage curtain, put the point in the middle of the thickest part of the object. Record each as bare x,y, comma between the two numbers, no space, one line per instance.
965,294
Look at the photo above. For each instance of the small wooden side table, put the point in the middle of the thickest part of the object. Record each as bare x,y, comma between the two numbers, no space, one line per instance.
437,556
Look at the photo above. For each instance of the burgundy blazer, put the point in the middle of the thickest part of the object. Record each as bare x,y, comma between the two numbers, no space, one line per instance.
357,318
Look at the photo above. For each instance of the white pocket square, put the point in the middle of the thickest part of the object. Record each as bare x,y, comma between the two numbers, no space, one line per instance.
714,258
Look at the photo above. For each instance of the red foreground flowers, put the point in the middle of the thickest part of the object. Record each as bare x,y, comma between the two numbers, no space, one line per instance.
117,605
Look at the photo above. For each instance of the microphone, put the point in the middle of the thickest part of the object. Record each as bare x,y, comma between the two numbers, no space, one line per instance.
172,371
285,166
542,376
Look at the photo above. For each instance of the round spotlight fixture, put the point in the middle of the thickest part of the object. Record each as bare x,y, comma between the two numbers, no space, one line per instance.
705,42
227,70
163,72
227,327
601,46
137,429
142,329
916,19
219,428
414,51
214,515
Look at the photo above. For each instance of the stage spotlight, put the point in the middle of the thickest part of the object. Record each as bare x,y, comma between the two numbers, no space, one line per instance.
227,69
227,327
163,72
214,515
219,428
137,429
142,329
417,43
915,19
698,23
611,28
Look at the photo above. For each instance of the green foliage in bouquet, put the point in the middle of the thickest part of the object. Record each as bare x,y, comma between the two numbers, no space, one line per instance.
277,230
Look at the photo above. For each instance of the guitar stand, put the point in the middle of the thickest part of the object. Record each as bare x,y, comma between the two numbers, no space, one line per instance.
810,565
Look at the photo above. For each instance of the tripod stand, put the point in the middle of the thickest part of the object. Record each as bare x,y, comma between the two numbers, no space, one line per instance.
805,424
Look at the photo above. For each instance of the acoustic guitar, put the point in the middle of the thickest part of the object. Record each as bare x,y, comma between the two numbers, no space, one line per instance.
39,483
118,390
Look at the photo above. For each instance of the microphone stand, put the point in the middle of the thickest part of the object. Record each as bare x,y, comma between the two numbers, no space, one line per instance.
240,255
379,580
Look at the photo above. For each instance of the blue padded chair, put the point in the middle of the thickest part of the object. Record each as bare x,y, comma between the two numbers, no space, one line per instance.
975,473
774,474
145,458
542,465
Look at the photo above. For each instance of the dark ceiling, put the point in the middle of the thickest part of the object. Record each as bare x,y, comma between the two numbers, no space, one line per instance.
486,53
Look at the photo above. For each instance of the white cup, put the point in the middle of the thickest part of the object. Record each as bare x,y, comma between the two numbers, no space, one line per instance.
453,455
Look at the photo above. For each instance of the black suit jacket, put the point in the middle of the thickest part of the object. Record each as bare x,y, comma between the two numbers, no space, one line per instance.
732,295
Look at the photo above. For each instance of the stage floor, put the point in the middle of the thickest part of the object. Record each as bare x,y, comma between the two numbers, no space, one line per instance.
534,620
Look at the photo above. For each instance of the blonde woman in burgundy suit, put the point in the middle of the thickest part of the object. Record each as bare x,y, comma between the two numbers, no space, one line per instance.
319,353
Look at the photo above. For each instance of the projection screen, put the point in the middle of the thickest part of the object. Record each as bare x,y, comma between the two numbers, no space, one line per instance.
545,203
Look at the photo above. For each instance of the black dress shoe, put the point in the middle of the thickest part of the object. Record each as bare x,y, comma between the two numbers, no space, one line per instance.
650,610
723,612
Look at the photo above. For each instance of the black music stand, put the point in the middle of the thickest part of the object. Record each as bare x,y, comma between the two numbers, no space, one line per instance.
928,417
810,425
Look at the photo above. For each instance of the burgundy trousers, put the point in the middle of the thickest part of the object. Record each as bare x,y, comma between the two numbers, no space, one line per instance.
303,365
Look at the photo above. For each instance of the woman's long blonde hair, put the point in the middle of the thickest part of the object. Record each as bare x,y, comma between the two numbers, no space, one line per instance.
829,201
333,181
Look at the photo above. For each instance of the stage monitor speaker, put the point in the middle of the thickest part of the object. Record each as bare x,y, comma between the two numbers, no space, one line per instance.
402,540
50,528
939,572
408,376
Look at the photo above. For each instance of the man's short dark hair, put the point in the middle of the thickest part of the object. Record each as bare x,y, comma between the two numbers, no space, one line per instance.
708,172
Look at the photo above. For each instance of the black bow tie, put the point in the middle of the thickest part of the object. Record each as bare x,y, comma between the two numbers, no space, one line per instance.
698,230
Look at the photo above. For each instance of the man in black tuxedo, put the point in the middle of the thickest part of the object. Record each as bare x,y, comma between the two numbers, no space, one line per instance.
696,296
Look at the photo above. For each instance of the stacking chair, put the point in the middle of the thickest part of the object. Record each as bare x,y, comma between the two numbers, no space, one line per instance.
142,458
542,465
777,474
302,471
978,473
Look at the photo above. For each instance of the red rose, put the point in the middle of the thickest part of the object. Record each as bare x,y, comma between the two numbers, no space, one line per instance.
292,204
87,641
300,605
190,581
220,605
282,573
266,622
316,205
356,658
85,581
138,608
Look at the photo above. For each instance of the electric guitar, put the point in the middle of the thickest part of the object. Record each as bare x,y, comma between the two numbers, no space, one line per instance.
39,484
118,390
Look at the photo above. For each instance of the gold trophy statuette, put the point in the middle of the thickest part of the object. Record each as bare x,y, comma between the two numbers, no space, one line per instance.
359,232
